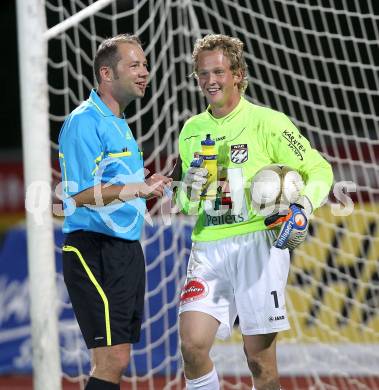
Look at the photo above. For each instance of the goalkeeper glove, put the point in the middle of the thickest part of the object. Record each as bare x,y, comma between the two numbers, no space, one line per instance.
195,178
294,226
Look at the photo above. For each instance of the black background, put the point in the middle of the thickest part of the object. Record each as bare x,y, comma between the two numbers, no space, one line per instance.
10,98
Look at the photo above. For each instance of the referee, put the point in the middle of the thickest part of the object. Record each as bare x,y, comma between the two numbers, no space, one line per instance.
105,200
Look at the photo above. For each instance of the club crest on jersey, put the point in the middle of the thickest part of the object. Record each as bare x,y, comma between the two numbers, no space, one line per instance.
238,153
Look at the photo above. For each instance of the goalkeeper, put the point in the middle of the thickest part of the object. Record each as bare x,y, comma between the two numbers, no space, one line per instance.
238,265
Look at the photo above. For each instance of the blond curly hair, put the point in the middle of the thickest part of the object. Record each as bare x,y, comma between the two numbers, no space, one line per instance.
231,47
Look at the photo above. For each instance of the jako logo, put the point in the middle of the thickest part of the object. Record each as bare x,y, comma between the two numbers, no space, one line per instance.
276,318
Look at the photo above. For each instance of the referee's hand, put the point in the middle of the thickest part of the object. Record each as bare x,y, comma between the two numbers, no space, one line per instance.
154,186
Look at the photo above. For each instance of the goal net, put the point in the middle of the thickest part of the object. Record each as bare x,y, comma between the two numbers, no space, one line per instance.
314,61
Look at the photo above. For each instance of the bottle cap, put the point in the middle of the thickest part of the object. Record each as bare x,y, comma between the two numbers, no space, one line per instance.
208,141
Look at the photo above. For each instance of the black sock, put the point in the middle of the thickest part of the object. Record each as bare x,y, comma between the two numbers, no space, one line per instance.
99,384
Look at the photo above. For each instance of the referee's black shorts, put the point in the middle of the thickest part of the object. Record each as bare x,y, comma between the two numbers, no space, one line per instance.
105,279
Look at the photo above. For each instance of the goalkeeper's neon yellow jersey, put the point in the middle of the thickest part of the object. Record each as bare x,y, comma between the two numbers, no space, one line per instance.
247,139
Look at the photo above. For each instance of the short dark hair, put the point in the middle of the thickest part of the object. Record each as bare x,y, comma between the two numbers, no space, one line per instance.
107,52
231,47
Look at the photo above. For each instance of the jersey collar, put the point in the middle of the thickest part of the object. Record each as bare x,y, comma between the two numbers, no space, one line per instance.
231,114
100,106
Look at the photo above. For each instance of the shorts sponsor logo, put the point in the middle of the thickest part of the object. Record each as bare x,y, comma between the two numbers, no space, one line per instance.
194,289
276,318
239,153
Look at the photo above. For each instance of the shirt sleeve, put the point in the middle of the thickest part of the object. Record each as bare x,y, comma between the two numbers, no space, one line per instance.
287,146
80,151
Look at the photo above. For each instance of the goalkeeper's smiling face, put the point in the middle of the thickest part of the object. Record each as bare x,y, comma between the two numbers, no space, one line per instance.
217,82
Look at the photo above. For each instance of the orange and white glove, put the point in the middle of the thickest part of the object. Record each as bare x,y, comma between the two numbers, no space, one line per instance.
294,226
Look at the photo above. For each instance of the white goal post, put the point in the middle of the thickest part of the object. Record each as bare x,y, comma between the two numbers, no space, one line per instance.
32,51
314,61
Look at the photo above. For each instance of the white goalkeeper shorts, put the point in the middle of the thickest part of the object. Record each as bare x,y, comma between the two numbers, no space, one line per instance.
241,275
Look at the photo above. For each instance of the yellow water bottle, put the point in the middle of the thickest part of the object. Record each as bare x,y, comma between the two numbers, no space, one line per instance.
208,156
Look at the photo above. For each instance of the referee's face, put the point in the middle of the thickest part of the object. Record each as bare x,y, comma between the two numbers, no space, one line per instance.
216,80
131,74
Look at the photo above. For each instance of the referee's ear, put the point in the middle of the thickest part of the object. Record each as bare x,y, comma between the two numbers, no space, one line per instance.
106,74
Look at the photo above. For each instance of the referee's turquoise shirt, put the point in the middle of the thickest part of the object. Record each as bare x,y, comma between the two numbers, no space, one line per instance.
97,146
